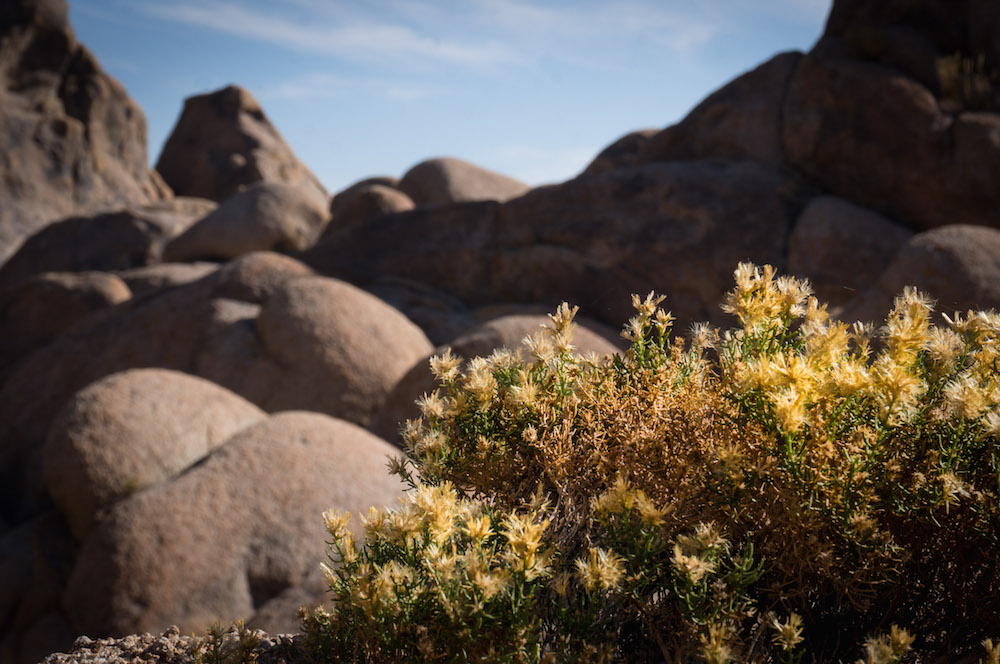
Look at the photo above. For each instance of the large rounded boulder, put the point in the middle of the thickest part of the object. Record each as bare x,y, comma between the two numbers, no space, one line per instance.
264,216
842,248
958,266
445,180
39,310
343,348
231,534
133,430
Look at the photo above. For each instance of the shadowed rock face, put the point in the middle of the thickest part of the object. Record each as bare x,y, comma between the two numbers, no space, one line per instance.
222,142
74,142
905,33
677,228
118,240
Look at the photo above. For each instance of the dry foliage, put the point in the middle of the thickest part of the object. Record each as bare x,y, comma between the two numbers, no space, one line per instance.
794,489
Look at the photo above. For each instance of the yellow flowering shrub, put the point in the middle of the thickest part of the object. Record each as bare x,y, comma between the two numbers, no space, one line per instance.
792,488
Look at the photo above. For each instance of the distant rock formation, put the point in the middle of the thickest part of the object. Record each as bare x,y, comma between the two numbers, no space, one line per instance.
222,142
73,141
446,180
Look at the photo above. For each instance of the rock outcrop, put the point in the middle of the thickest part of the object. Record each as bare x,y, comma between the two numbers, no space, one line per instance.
677,228
43,308
107,241
223,142
741,120
73,141
958,266
842,248
266,216
357,204
131,431
291,342
325,332
225,537
445,180
850,125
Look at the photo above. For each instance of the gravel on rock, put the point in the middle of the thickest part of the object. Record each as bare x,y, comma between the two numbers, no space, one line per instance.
172,647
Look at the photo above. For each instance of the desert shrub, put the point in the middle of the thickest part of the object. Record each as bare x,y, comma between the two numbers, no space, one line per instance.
793,489
967,80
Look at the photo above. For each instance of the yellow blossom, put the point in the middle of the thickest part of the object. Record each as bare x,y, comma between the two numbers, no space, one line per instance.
789,633
478,528
702,336
563,317
329,574
431,405
336,523
633,329
430,444
992,651
647,307
991,423
789,408
479,380
526,392
862,522
560,583
618,499
965,398
445,367
943,346
664,320
389,579
649,513
524,538
540,347
375,524
714,646
490,583
600,570
952,489
441,561
899,639
693,566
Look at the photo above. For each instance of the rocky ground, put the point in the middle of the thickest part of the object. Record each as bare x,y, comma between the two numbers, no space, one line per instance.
171,647
197,360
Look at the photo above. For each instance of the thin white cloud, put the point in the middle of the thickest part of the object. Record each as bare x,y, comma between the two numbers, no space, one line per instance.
309,87
324,85
357,39
676,29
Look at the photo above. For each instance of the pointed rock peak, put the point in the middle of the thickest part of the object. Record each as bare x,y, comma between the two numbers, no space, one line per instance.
223,142
74,142
228,102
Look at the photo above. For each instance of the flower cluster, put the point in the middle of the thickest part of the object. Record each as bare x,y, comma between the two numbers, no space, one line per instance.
795,476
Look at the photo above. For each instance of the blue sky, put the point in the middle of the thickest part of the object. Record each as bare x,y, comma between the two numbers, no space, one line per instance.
530,88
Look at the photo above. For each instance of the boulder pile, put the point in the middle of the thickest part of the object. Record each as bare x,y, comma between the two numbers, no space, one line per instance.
196,361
